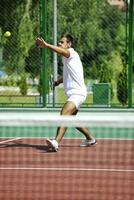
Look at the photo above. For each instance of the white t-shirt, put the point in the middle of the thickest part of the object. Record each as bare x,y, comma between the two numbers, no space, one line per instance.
73,77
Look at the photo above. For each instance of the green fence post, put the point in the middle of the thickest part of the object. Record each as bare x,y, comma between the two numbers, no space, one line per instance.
43,21
130,52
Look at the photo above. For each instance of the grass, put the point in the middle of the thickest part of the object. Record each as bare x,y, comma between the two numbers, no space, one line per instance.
16,99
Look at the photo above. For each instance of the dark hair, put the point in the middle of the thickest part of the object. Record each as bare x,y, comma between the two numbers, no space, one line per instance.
69,38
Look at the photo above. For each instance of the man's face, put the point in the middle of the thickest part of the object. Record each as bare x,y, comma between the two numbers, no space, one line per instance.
64,44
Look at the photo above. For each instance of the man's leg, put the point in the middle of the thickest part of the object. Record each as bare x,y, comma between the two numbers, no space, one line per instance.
84,131
90,140
69,108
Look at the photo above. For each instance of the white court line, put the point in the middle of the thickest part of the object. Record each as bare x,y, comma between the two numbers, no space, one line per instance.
10,140
66,169
65,138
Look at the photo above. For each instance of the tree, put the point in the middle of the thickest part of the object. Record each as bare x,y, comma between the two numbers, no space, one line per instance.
23,84
122,89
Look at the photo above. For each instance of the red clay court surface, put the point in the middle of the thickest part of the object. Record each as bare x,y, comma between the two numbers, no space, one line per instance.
28,171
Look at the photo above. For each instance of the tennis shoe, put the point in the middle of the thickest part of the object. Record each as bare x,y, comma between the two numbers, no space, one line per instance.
88,143
53,144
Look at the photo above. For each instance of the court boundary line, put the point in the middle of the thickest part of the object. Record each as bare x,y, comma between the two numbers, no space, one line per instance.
67,169
65,138
10,140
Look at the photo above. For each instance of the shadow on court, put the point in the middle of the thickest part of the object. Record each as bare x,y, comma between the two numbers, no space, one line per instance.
43,148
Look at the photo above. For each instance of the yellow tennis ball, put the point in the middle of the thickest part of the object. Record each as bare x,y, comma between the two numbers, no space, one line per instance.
7,34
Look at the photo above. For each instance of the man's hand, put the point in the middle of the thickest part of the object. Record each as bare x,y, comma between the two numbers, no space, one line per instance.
41,43
56,83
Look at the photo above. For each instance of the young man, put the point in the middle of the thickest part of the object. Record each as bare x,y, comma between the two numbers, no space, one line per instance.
74,86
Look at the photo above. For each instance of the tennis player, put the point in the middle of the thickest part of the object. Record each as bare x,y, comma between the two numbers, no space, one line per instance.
74,86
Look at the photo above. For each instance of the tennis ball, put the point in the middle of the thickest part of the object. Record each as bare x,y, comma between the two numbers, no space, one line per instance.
7,34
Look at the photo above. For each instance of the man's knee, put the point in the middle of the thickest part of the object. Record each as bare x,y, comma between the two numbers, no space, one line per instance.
68,109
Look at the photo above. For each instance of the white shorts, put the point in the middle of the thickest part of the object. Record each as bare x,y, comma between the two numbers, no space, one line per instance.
77,99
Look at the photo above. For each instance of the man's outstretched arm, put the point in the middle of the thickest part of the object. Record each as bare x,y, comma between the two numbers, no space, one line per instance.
61,51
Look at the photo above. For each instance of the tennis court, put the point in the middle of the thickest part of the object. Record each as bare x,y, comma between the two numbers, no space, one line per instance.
29,170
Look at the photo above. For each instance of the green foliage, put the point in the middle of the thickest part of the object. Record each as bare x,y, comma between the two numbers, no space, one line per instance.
99,32
21,18
105,73
25,32
32,62
98,29
93,72
122,91
23,84
7,82
122,87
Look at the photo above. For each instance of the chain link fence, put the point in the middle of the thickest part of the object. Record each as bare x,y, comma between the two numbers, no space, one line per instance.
101,35
19,56
100,31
